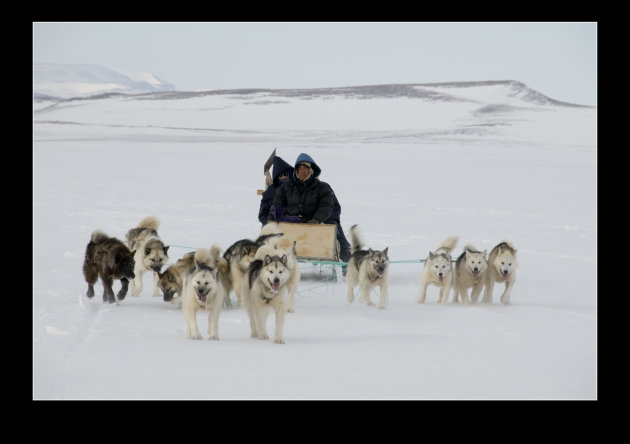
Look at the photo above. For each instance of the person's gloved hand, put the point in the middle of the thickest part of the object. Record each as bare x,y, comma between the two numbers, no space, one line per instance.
312,221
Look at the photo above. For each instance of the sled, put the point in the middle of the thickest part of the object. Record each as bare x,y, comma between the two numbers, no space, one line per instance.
313,242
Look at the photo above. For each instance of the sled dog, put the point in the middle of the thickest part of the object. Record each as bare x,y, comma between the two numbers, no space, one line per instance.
171,282
110,259
368,269
502,266
203,290
292,263
438,270
239,257
265,289
470,271
151,254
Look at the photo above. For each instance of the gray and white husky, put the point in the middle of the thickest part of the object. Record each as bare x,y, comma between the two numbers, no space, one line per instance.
203,290
367,269
438,270
239,257
151,254
470,271
264,288
502,266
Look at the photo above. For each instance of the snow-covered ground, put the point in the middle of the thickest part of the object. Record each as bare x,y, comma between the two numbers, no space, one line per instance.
411,165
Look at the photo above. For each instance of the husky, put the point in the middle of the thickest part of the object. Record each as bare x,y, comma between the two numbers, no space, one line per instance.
368,269
470,271
171,282
289,248
438,270
502,266
110,259
239,257
264,287
203,290
151,254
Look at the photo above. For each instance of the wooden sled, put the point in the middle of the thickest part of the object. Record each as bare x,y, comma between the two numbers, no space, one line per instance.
316,244
313,242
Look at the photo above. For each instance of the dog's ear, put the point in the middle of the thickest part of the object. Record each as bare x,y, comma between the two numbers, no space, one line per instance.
166,248
385,251
283,259
485,252
133,253
147,251
267,260
431,255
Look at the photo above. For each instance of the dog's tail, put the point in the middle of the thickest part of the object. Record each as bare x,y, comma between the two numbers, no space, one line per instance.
203,256
449,243
221,262
151,222
355,240
270,239
270,228
98,236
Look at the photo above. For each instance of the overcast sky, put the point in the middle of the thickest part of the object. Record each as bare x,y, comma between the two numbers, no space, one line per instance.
555,58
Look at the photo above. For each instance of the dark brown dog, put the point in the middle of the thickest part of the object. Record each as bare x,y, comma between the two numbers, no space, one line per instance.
110,259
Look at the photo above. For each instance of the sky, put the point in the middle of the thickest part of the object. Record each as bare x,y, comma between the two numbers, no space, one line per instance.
557,59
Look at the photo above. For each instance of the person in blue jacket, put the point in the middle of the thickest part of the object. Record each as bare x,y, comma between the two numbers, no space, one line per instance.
297,195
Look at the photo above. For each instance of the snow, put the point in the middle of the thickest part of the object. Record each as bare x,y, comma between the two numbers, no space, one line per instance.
410,171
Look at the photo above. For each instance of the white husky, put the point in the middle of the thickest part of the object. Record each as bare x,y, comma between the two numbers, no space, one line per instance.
438,270
264,288
204,290
150,253
502,266
470,271
289,247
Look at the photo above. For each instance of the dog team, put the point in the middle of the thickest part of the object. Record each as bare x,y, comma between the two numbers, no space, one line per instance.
264,274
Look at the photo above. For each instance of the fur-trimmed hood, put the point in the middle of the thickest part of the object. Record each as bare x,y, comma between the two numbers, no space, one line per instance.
303,157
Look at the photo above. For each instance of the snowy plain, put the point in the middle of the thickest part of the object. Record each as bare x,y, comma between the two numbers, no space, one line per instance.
411,164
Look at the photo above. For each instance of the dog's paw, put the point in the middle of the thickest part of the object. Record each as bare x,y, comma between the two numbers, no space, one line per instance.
214,338
197,336
290,310
265,336
278,341
382,307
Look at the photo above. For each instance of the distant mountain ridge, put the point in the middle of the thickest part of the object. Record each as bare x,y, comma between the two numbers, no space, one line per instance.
57,81
70,81
425,91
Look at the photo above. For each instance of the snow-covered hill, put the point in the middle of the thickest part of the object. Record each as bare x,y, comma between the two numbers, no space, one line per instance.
66,81
493,110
